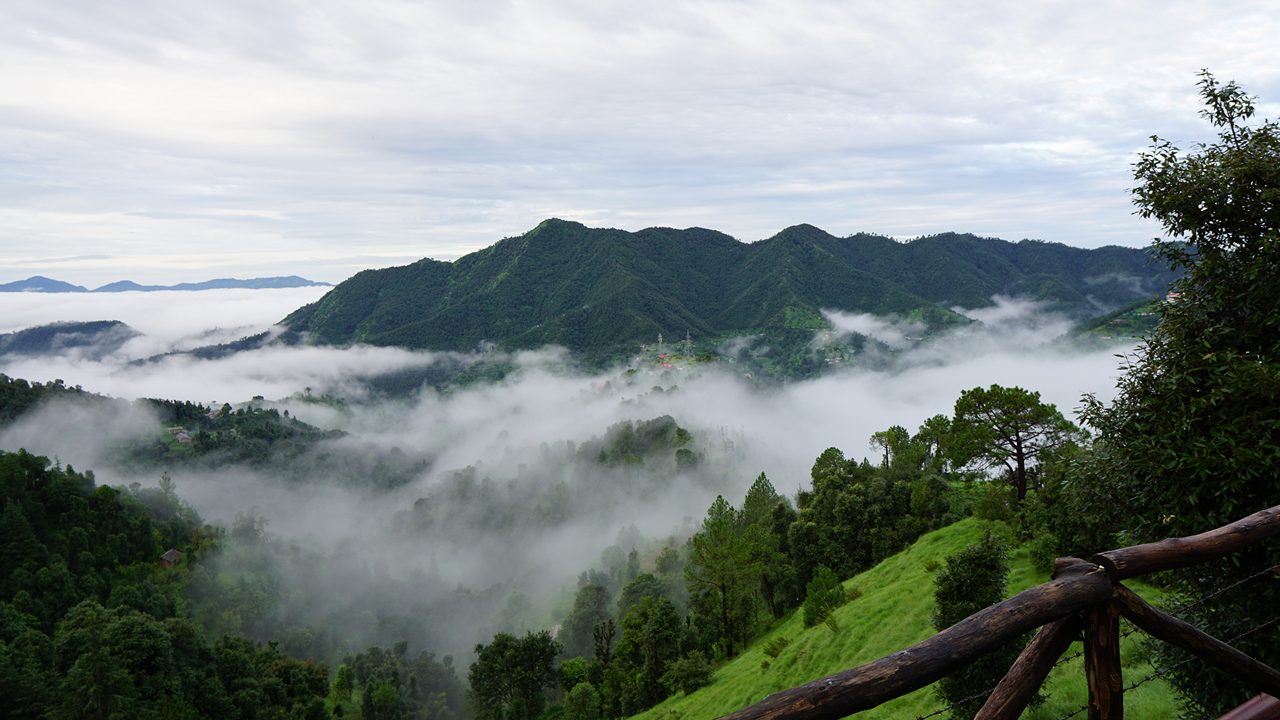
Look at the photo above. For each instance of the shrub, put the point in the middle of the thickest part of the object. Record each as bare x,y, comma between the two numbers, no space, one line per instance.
973,579
582,703
775,646
831,622
1043,550
688,673
823,594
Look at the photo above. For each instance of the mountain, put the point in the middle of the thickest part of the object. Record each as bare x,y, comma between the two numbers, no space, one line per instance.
94,339
267,283
43,284
40,283
128,286
603,290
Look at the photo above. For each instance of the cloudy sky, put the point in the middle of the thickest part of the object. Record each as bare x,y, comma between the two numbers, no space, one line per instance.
172,140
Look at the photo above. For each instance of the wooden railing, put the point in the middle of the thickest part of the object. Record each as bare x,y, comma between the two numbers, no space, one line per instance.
1082,596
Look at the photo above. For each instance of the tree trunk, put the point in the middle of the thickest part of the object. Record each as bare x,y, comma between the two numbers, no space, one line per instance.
1021,476
727,629
766,590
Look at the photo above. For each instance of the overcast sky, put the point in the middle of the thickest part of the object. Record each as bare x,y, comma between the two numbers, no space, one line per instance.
178,140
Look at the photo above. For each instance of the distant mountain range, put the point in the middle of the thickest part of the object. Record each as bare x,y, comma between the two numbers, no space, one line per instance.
602,291
39,283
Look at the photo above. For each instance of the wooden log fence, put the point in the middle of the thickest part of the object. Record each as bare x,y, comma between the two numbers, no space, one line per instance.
1081,596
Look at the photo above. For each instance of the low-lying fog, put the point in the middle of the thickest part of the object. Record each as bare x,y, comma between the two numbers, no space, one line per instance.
523,434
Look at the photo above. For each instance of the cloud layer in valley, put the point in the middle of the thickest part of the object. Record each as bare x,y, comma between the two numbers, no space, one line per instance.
527,441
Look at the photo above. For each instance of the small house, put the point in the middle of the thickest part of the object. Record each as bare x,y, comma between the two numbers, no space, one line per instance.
170,558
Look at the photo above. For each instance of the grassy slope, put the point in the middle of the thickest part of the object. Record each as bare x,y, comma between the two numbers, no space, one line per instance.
894,612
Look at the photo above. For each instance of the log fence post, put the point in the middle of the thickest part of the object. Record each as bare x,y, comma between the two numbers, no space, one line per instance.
1023,681
1102,662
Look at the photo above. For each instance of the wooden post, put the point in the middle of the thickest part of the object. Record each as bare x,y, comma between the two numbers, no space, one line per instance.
1258,676
1020,684
1102,662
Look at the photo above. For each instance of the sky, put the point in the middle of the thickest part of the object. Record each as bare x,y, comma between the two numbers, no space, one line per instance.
177,140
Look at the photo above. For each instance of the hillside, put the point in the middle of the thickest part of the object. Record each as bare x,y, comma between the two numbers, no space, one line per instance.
1136,320
94,339
603,291
892,613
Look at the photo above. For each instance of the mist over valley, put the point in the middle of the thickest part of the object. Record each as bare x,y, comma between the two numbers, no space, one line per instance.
449,513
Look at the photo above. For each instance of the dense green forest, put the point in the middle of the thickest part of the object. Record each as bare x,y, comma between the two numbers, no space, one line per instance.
91,620
17,396
602,292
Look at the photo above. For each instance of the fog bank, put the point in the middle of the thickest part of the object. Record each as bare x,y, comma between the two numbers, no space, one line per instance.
510,492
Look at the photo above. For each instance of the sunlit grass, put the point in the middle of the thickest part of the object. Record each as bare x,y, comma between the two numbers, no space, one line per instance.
894,612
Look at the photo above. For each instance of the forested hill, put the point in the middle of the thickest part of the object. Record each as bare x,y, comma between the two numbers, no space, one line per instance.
603,290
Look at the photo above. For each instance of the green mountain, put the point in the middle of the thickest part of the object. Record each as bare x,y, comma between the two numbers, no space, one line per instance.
601,291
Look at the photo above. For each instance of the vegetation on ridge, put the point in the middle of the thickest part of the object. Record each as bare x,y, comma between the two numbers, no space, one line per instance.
603,291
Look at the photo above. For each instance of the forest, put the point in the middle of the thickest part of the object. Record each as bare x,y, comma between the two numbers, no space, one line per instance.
637,629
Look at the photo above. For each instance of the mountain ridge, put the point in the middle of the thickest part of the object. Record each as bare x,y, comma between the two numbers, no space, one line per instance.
602,290
40,283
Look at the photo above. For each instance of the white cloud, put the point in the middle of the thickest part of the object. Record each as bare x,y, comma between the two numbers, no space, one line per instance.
300,135
166,317
894,333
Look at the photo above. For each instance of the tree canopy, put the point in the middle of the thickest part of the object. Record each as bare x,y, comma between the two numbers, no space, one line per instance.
1192,439
1009,427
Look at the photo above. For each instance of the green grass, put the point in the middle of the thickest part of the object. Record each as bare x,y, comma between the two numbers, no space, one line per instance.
893,613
